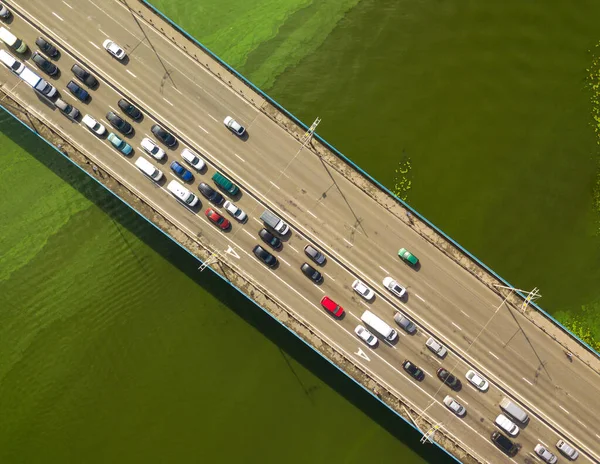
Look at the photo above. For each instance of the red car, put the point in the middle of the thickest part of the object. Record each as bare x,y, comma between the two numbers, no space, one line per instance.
332,306
217,219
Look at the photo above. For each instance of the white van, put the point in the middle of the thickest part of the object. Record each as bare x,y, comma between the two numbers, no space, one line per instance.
12,41
148,168
514,411
13,64
379,326
182,194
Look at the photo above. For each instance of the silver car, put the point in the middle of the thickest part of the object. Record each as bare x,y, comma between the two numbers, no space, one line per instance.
435,346
405,323
544,454
454,406
66,108
567,450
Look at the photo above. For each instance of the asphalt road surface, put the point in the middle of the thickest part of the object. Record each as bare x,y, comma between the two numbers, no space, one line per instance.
358,236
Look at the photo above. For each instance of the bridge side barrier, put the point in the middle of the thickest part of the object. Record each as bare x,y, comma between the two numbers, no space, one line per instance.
400,208
251,289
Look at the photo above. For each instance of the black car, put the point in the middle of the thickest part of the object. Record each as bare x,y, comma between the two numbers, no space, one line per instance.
413,370
78,91
311,273
118,123
211,194
84,76
314,254
505,444
449,379
129,109
165,137
46,47
49,68
264,256
269,238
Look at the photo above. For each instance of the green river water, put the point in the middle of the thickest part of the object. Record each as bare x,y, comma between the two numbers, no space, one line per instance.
116,349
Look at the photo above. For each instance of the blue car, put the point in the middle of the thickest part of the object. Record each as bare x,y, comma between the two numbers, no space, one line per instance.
182,172
78,91
119,144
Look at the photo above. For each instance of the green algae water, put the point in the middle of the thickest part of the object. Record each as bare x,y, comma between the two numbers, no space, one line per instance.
113,344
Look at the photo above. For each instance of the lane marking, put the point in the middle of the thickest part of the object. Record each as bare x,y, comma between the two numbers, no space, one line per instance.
435,359
563,409
362,354
290,246
419,297
384,270
242,159
282,172
212,117
493,355
275,185
582,423
103,32
348,242
203,129
284,261
313,215
466,313
329,276
248,233
257,220
543,443
428,374
456,326
67,4
527,381
127,70
94,45
168,101
57,16
322,291
232,252
177,90
365,305
112,109
462,399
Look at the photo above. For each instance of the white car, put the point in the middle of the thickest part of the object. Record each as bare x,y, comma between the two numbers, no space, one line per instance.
567,450
454,406
234,126
152,148
435,346
477,380
365,335
544,454
363,290
93,125
113,49
235,211
393,287
192,159
507,425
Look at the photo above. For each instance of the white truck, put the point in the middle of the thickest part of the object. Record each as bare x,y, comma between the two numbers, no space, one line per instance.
37,83
274,222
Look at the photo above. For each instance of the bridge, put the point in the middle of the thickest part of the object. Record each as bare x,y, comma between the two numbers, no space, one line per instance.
329,204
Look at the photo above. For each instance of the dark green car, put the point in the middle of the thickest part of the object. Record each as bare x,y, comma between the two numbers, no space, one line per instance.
408,256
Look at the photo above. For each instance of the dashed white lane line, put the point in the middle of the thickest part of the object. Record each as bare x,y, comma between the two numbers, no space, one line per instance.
527,381
248,233
275,185
465,314
67,4
290,246
260,222
543,443
282,172
94,45
419,298
428,374
598,435
203,128
285,261
458,327
582,423
365,305
112,109
57,16
322,291
348,242
313,215
493,355
461,399
329,276
127,70
384,270
103,32
563,409
177,90
241,159
435,359
168,101
212,117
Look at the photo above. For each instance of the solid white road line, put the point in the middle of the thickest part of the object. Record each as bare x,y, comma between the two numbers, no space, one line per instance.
384,270
94,45
57,16
527,381
127,70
